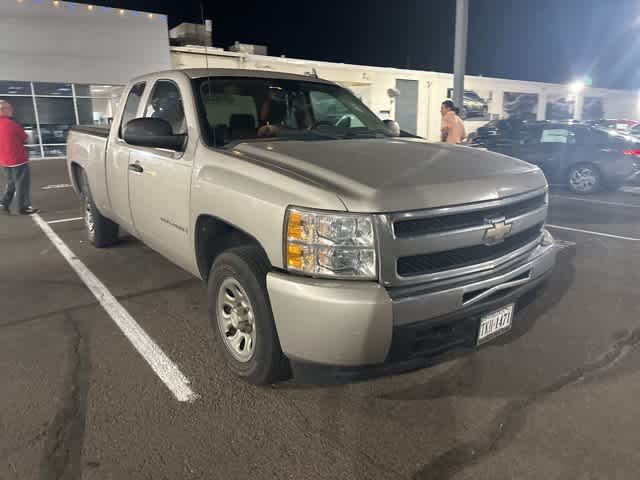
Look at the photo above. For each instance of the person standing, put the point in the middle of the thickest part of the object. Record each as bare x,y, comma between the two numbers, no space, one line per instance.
451,128
14,162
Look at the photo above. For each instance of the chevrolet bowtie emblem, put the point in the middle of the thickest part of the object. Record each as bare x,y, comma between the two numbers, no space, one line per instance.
497,232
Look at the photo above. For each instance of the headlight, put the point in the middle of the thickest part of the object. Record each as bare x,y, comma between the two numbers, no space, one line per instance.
546,197
338,245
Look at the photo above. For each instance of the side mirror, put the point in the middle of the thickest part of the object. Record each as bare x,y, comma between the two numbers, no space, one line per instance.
393,127
152,132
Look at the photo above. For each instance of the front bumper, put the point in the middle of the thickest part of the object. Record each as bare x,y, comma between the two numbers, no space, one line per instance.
353,324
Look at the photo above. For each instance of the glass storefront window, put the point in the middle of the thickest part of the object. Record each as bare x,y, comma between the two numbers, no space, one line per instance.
15,88
34,152
24,115
99,91
55,150
94,111
56,89
22,109
56,111
32,134
56,116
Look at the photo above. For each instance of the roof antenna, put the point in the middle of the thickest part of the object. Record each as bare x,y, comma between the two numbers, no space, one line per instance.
208,27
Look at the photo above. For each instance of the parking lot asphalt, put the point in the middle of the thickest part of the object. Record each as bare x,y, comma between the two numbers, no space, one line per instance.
555,398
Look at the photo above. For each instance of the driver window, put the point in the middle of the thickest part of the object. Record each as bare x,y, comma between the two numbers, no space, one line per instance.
131,107
328,110
531,136
166,103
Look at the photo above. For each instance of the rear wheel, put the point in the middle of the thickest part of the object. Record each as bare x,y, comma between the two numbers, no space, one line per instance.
584,178
241,316
101,231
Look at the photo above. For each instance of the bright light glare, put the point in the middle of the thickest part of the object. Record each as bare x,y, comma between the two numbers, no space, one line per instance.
576,87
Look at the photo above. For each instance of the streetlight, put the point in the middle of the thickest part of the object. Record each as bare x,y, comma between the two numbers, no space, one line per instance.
460,51
576,86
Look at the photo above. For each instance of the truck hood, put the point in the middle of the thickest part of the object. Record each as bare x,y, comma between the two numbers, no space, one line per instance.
397,174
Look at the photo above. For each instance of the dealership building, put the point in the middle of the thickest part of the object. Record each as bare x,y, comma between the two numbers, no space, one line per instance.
59,62
64,63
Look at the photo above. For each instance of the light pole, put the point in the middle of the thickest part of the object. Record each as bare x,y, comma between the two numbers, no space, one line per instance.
460,51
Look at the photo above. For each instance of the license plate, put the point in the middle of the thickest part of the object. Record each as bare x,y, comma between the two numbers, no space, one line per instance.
495,324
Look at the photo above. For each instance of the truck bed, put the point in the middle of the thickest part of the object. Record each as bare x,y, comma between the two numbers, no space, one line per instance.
91,130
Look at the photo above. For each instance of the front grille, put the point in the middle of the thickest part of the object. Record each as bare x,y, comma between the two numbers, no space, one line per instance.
425,226
464,257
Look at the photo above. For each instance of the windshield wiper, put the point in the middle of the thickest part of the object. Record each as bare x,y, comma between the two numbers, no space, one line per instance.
364,134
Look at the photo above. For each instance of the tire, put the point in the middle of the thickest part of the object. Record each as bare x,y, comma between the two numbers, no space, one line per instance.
101,231
241,316
584,179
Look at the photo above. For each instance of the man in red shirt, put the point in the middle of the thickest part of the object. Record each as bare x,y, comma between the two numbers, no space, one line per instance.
14,161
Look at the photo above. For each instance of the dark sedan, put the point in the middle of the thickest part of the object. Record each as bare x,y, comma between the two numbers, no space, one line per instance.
585,159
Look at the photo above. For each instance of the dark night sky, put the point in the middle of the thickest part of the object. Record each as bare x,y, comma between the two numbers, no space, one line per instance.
543,40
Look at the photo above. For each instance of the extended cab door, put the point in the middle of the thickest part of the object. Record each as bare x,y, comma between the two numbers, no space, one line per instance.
160,180
117,160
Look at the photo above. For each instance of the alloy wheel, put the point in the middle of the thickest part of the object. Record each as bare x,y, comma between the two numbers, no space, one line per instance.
583,179
236,320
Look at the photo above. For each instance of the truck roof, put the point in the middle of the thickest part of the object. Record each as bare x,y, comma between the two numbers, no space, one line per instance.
238,72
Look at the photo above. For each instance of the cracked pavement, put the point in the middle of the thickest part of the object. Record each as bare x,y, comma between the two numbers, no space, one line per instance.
556,398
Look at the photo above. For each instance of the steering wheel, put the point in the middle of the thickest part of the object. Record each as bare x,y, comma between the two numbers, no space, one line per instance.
346,119
322,122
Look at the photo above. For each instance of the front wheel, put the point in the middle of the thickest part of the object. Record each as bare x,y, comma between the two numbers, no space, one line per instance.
241,316
101,231
584,179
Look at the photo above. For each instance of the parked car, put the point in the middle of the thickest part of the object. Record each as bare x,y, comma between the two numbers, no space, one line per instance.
585,159
495,129
473,105
323,241
635,131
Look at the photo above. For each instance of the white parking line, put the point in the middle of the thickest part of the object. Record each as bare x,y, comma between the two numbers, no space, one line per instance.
56,186
162,365
591,232
63,220
600,202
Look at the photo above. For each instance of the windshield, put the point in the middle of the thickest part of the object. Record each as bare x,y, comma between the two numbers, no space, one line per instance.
235,108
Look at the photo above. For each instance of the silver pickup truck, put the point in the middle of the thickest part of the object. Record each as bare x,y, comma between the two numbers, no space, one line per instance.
327,237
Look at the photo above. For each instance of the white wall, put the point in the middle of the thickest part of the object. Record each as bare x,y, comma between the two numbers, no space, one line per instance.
70,43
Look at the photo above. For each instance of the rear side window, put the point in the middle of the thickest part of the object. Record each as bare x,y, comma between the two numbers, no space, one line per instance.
131,107
556,135
166,103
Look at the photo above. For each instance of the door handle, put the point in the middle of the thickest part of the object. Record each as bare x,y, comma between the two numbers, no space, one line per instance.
136,167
